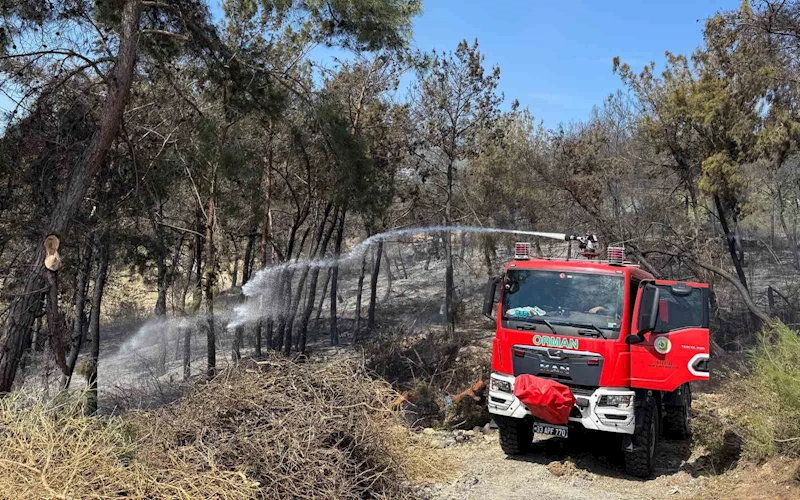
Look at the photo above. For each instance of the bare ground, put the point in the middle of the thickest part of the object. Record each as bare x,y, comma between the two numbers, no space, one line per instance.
592,468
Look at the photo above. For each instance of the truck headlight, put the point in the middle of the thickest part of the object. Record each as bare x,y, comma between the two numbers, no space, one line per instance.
500,385
616,401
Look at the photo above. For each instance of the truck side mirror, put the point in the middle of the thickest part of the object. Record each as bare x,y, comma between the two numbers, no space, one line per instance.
648,314
648,309
488,298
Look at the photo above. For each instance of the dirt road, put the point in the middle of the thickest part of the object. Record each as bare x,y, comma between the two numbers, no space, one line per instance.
589,468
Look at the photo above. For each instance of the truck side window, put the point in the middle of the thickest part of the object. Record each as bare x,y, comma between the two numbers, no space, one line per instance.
679,311
632,293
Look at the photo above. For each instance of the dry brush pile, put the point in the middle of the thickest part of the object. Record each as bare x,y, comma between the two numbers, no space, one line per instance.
271,430
430,368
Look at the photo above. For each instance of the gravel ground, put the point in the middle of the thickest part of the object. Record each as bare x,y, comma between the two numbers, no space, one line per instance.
558,469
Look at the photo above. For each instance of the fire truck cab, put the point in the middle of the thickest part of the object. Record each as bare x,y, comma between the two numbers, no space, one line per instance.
626,344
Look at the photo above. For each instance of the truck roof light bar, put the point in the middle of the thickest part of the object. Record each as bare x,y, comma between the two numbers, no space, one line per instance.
616,255
522,251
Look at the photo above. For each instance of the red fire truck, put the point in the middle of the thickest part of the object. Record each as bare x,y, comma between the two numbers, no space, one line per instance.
625,344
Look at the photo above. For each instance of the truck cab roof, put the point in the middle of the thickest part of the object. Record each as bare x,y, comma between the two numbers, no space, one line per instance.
628,270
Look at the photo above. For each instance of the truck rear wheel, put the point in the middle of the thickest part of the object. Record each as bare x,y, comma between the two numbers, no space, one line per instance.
639,461
516,434
676,418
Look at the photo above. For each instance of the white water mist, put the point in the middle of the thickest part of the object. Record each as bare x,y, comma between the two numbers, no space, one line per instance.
262,293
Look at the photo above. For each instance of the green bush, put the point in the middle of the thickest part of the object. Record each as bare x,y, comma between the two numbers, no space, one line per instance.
776,379
757,411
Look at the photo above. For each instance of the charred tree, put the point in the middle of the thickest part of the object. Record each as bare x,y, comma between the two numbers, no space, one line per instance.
359,293
312,289
249,256
161,262
323,297
389,275
103,250
373,286
731,240
80,320
235,275
335,278
209,282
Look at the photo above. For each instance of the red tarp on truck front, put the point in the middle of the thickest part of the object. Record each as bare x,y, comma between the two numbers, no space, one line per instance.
546,399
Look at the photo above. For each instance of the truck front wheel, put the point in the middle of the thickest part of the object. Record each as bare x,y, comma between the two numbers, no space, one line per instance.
639,460
516,434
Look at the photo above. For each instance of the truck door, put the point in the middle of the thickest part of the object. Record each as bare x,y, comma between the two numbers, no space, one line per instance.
673,347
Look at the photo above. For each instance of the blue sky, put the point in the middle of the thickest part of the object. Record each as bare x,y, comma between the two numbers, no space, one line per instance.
555,57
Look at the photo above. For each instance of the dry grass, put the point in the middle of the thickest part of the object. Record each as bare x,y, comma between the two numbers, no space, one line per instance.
272,430
50,450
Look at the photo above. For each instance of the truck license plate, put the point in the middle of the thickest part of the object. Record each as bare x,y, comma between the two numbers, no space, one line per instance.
551,430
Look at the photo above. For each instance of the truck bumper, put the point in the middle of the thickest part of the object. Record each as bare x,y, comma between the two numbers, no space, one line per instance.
592,415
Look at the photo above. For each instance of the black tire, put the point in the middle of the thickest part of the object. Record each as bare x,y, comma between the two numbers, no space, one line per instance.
676,419
516,434
639,462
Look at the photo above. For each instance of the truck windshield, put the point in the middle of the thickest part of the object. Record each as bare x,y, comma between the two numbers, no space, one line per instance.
567,298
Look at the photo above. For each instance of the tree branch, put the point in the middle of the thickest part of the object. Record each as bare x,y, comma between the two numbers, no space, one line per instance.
166,33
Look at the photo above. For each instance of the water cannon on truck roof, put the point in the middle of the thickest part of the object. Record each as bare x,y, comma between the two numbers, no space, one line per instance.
598,345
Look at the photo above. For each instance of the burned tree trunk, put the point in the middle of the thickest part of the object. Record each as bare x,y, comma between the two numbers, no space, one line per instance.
267,250
487,257
80,306
176,260
284,297
359,293
197,264
312,285
247,265
730,238
188,282
268,331
373,286
161,278
323,297
187,353
199,243
259,327
18,329
209,279
94,323
161,261
389,276
335,279
401,264
236,353
235,277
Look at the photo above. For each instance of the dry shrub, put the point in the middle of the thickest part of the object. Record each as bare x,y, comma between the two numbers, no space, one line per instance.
757,410
299,430
406,358
50,450
428,366
276,429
